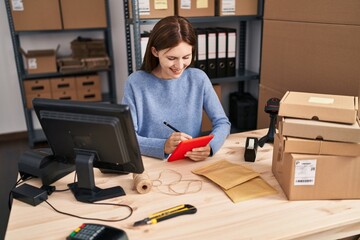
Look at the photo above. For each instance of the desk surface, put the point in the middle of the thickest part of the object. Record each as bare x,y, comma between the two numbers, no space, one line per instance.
270,217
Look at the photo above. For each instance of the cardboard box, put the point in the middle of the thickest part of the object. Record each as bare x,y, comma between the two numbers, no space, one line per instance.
327,131
36,88
90,94
319,147
315,177
321,11
40,61
78,14
30,97
236,7
87,81
88,88
195,8
309,57
155,9
36,15
62,84
323,107
206,124
65,95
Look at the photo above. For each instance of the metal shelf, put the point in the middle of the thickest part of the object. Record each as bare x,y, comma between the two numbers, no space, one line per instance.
59,74
213,19
241,76
35,135
60,31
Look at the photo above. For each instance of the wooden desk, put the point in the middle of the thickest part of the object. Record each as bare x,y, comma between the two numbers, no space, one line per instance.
271,217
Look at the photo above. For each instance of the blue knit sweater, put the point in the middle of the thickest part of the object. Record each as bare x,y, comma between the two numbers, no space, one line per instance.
179,102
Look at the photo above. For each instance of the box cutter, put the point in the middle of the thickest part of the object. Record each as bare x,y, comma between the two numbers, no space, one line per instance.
167,214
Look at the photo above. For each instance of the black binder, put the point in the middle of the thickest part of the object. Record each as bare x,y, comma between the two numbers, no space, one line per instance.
221,67
231,51
201,49
211,52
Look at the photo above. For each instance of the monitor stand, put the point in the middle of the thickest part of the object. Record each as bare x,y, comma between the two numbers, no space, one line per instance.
84,189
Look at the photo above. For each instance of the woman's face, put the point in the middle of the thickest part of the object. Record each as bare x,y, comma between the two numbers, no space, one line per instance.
172,61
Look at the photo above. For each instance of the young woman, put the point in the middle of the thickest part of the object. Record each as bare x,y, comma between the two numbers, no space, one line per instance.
167,89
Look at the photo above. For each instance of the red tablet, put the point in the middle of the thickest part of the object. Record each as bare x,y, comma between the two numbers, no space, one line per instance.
188,145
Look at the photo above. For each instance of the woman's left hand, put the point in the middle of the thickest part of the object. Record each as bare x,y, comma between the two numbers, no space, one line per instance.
199,154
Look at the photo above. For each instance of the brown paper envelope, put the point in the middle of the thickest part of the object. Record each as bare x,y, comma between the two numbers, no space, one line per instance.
253,188
226,174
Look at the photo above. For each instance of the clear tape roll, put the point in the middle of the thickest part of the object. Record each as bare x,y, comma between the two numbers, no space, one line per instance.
142,183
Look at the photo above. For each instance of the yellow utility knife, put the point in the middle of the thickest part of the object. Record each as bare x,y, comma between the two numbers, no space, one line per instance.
167,214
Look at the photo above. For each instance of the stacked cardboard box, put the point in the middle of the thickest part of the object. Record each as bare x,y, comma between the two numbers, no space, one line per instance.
40,61
38,88
63,88
318,159
56,15
194,8
83,88
236,7
309,46
88,88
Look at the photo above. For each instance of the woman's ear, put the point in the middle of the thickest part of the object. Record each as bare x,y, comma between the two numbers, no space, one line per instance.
154,52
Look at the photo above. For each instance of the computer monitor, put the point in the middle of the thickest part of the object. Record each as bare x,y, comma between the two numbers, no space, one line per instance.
8,175
87,135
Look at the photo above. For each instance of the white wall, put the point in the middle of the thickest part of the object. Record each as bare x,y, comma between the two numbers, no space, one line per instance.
12,117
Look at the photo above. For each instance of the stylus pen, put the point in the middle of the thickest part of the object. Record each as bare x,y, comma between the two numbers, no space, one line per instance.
171,127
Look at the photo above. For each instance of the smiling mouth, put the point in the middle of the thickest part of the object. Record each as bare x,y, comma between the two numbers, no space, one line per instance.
176,71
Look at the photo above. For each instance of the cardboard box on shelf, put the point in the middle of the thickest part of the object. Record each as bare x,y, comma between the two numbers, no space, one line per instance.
195,8
83,14
321,11
36,88
62,84
155,9
236,7
327,131
36,15
65,95
40,61
319,147
323,107
69,64
315,177
88,88
90,94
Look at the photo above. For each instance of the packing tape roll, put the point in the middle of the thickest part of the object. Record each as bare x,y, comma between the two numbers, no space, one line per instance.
142,183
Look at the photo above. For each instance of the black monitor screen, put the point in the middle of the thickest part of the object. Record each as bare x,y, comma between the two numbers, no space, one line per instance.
90,135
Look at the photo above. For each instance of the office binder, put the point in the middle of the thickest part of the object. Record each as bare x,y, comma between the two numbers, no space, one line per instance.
221,67
143,43
201,49
231,51
211,52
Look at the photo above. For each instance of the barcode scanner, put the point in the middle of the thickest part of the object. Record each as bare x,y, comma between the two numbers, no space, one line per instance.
272,108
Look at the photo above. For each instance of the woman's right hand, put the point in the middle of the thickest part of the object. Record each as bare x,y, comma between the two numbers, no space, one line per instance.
174,140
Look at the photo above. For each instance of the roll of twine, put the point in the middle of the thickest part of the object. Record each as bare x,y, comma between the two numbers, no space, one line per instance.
142,183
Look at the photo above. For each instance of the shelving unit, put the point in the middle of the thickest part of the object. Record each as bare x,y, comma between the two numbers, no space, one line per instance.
242,74
37,135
